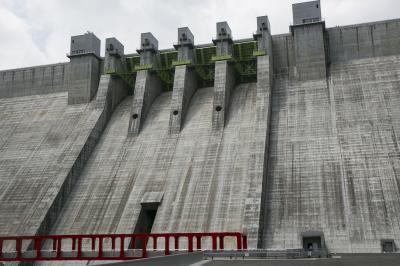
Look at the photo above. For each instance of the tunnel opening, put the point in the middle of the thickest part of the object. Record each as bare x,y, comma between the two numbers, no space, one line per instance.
147,215
314,244
145,223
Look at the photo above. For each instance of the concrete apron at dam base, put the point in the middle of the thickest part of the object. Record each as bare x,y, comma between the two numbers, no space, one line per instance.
199,259
338,260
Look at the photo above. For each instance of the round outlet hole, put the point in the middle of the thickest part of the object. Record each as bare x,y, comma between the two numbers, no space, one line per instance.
218,108
175,112
135,116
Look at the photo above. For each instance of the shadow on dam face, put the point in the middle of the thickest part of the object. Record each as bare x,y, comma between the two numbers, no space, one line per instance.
145,223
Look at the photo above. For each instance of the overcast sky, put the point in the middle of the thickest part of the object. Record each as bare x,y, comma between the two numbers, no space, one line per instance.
37,32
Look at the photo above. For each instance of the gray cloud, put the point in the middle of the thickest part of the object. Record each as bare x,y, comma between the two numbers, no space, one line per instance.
38,31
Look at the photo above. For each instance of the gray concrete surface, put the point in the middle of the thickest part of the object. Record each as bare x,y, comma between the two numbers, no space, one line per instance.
334,157
83,80
34,80
365,104
107,196
176,260
114,57
87,43
307,12
353,260
309,51
40,139
364,40
50,145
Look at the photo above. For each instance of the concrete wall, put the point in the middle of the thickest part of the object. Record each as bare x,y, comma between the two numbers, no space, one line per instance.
364,40
44,153
303,181
283,54
33,80
320,172
309,51
41,138
333,157
365,100
111,91
342,44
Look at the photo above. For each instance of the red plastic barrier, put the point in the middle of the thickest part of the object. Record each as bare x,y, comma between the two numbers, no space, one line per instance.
97,252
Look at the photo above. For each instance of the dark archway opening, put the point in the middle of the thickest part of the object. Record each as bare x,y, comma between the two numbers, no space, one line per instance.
312,243
388,246
145,223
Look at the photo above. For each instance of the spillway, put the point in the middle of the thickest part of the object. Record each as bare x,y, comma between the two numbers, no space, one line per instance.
202,174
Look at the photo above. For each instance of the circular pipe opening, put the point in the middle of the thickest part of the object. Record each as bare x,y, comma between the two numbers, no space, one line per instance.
175,112
218,108
135,116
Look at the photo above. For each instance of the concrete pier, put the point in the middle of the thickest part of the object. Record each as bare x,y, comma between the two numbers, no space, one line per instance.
224,80
115,57
185,85
185,80
148,85
254,220
147,88
84,73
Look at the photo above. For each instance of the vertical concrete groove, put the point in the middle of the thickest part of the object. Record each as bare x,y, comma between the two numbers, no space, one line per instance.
255,211
343,177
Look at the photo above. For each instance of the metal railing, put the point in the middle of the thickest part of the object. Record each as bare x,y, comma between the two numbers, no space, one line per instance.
122,246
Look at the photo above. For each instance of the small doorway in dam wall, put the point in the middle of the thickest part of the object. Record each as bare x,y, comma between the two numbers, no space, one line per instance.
311,243
147,216
313,240
388,246
145,223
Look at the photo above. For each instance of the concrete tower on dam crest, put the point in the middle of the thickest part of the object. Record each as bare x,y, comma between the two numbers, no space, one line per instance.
291,139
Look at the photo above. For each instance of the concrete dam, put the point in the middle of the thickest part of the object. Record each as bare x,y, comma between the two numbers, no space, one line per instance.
291,139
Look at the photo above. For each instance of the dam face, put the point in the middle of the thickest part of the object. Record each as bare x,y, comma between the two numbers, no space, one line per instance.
291,139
